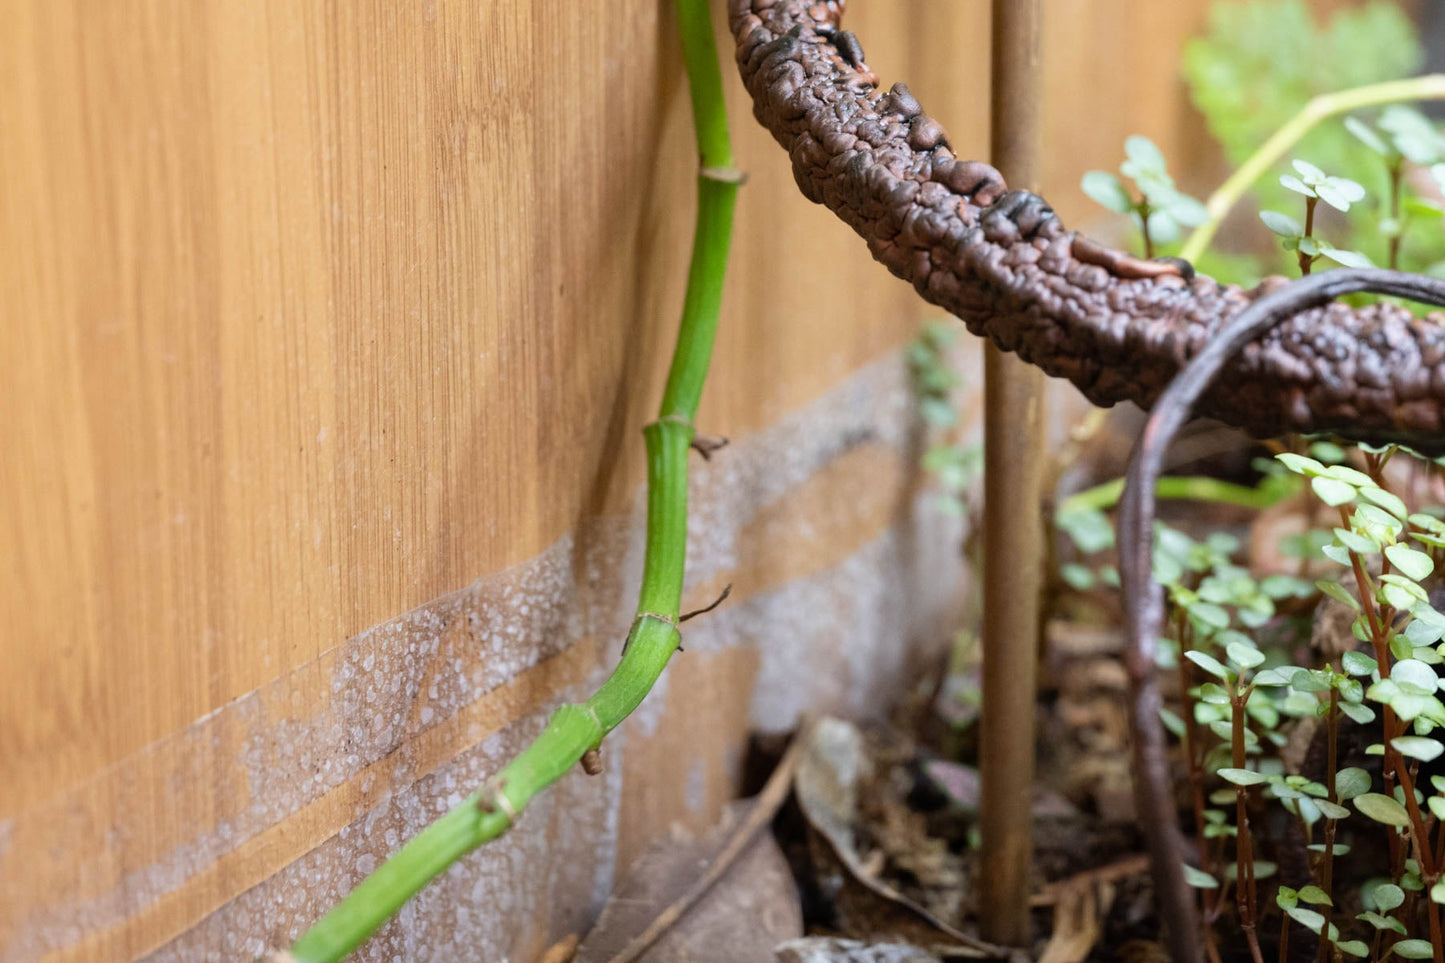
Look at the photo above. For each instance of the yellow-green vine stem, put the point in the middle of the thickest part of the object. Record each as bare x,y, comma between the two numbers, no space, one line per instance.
1195,488
1429,87
575,729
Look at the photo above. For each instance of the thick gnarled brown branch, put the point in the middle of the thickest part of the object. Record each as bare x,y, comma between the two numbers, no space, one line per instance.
1117,327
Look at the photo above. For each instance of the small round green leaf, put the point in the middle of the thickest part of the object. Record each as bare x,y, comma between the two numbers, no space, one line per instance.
1187,211
1338,592
1078,577
1417,747
1307,918
1199,879
1089,528
1107,191
1274,677
1345,473
1244,656
1367,136
1383,896
1339,192
1281,224
1359,713
1208,663
1389,501
1352,259
1414,949
1414,564
1243,777
1351,782
1290,182
1331,492
1300,464
1412,673
1358,663
1382,809
1146,157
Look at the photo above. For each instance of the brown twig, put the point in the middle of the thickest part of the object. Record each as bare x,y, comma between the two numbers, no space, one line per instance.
765,806
727,590
706,445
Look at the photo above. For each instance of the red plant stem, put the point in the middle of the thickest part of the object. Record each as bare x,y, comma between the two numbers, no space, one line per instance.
1247,897
1208,910
1432,912
1305,261
1394,256
1394,772
1191,751
1327,863
1429,872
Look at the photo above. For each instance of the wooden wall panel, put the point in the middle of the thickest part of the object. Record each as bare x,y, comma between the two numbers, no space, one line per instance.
313,313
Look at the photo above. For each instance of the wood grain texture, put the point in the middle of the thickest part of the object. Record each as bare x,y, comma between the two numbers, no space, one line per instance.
313,313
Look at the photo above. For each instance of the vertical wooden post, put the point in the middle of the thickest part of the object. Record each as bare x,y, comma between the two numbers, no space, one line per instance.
1013,530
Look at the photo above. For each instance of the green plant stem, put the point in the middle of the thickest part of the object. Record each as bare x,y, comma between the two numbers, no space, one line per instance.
575,729
1430,87
1197,488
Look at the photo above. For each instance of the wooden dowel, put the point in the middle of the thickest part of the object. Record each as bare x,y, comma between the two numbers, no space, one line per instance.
1013,529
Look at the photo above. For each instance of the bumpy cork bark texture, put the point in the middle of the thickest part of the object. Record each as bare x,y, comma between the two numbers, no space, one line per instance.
1117,327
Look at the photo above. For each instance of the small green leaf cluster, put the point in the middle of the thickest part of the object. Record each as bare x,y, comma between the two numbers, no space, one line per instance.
1315,185
1296,903
933,378
1256,68
1402,134
956,467
1091,532
1160,210
1260,62
1337,192
1382,537
1243,690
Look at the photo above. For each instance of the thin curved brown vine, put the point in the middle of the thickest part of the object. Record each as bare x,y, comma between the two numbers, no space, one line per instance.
1118,327
1144,598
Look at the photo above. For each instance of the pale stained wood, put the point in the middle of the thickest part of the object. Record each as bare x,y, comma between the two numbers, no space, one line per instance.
314,312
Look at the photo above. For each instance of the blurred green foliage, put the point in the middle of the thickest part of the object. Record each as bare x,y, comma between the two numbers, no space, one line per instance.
1258,65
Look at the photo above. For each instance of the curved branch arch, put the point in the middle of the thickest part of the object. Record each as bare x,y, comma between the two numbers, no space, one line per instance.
1118,327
